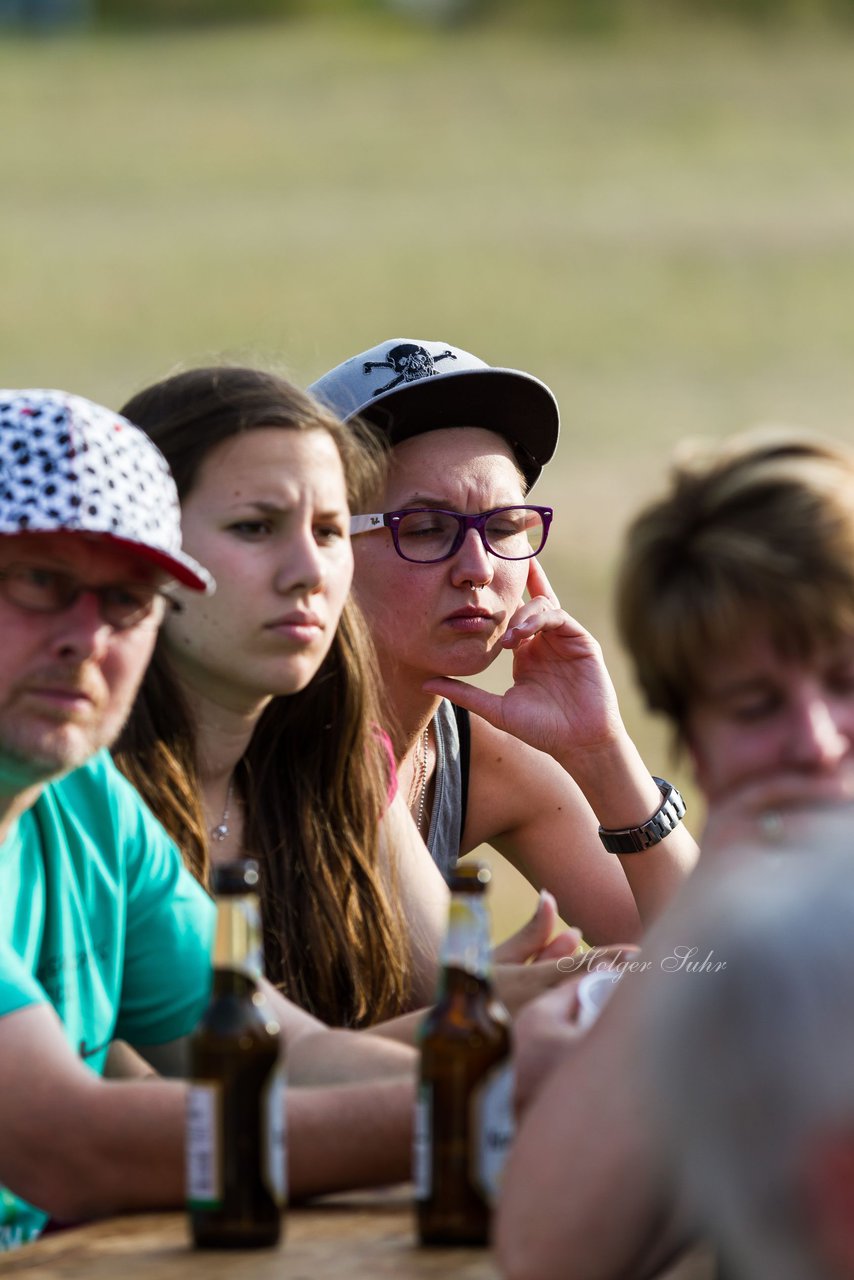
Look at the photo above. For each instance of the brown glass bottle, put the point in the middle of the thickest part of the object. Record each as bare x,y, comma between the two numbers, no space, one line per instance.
464,1109
235,1106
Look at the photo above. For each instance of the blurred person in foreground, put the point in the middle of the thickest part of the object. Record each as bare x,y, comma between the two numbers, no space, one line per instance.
736,602
441,572
750,1064
103,933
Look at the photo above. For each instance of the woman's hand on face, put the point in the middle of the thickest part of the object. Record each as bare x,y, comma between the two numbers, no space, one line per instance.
562,699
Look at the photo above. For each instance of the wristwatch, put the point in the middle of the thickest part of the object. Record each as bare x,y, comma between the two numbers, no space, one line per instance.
635,839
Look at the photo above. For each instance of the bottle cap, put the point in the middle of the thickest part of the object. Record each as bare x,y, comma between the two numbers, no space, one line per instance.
234,878
470,877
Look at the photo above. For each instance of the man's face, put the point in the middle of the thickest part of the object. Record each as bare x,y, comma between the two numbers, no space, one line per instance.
67,679
762,712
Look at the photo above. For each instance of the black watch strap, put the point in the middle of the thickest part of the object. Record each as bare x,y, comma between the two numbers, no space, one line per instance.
635,839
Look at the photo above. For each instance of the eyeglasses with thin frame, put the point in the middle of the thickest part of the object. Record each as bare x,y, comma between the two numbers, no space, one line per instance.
38,589
426,535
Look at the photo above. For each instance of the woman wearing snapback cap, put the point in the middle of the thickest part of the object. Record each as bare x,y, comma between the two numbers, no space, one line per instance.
546,772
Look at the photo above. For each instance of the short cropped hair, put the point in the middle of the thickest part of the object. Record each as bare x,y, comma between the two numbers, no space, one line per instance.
759,530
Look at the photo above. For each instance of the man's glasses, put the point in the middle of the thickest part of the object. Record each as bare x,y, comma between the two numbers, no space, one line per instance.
425,535
40,590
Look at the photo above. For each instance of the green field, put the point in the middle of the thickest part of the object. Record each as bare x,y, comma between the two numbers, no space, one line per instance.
661,226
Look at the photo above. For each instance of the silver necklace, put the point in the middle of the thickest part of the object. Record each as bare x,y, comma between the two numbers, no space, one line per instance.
220,831
423,796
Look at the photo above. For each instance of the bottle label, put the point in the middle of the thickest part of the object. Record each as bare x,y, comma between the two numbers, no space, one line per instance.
238,943
493,1126
422,1143
204,1146
466,944
254,938
274,1136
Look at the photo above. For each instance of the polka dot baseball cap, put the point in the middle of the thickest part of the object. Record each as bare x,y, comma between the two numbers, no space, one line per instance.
68,465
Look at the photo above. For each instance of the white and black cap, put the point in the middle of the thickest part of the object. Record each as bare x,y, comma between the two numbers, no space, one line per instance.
408,386
68,465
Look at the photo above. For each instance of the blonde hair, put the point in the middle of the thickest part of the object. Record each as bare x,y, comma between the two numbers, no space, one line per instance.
759,531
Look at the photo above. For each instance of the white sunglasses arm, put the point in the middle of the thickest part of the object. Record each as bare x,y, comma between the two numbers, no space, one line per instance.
364,524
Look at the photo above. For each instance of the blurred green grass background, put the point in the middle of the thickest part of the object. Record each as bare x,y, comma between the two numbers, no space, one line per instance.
659,223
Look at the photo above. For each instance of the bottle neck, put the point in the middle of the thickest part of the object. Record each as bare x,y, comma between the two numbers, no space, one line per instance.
237,946
467,942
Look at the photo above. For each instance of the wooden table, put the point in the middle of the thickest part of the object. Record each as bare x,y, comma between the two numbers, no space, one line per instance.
340,1238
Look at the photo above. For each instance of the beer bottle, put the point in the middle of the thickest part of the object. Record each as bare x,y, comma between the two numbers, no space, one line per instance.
464,1108
235,1153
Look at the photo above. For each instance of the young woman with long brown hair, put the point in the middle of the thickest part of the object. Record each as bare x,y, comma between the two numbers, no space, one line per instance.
256,730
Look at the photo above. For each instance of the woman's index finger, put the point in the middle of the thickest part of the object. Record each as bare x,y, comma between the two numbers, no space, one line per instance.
538,584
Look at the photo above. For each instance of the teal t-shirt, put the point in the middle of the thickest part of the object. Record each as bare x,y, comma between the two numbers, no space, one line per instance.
100,919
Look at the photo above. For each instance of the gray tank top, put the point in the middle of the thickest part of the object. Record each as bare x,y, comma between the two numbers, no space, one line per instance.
443,838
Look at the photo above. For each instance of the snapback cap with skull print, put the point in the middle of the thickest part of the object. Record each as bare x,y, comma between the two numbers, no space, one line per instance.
68,465
405,387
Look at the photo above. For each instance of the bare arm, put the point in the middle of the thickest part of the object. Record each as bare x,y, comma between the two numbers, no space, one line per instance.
316,1054
524,804
321,1055
124,1063
621,793
585,1179
358,1135
515,985
422,893
81,1147
582,1181
562,703
77,1145
424,900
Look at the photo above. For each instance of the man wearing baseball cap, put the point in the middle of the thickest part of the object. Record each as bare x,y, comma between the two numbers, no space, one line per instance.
103,934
